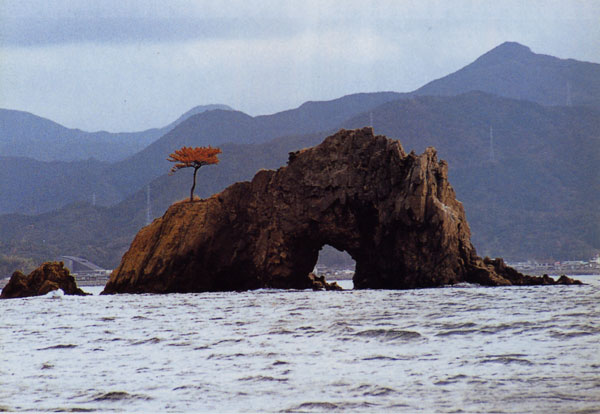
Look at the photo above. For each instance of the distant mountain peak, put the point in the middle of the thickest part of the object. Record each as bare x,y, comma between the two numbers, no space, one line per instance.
513,47
198,110
211,107
508,50
512,70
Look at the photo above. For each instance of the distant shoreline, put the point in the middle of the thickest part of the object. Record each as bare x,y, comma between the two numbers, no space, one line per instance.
558,271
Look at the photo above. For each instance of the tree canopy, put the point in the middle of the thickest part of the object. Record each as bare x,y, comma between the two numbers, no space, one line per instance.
188,157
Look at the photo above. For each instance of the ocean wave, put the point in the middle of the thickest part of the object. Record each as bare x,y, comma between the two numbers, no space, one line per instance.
119,396
389,334
59,346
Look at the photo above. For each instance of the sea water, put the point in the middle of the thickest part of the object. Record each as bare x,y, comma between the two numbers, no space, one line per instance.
456,349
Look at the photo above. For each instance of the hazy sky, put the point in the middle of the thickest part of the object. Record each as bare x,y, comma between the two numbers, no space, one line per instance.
125,65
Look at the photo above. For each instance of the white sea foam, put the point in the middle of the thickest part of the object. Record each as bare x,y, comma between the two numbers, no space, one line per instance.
55,294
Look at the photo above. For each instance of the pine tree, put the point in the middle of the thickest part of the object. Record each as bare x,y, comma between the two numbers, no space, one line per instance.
188,157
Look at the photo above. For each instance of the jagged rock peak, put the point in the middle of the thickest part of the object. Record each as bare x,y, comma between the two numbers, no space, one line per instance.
395,213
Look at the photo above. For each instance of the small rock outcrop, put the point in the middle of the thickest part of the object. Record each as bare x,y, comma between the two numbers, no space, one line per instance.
395,213
319,283
515,278
46,278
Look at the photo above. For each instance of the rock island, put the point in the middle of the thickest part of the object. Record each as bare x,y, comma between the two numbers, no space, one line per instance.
395,213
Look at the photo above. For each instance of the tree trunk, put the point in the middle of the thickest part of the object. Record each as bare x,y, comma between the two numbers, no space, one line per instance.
193,185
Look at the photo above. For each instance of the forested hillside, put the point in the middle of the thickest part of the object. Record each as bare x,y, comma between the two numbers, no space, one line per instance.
535,197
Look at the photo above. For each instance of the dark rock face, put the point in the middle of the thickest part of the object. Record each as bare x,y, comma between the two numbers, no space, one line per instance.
395,213
46,278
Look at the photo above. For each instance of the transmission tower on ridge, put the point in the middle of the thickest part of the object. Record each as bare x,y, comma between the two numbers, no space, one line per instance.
148,213
492,155
569,102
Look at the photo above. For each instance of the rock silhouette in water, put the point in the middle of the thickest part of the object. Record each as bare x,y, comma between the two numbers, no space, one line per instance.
46,278
395,213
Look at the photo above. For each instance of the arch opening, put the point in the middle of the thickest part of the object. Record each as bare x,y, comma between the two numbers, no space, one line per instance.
336,265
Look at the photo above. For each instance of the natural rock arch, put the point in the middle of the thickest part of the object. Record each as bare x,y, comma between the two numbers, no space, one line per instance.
395,213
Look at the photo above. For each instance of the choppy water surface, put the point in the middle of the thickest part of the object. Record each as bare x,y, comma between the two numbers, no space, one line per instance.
473,349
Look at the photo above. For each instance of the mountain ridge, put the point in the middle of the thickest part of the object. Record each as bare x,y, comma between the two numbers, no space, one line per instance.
512,70
535,200
537,146
23,134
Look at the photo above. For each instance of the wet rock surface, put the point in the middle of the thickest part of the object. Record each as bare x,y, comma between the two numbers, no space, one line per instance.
48,277
395,213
